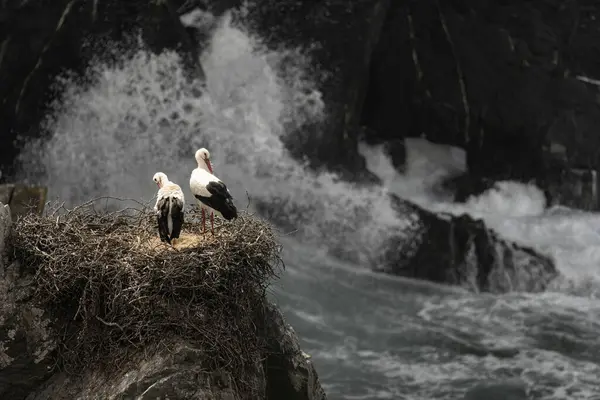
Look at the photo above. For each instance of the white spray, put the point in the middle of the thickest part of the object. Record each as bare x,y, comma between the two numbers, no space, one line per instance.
142,115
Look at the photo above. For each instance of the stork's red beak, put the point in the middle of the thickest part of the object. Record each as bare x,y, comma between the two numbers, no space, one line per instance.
209,166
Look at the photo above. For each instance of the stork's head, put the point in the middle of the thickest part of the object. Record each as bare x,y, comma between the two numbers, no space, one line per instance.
160,179
203,159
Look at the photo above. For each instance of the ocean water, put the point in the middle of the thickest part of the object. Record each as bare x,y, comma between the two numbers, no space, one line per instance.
371,336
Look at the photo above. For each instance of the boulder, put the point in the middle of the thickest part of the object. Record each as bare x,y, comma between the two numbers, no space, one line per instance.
461,250
41,40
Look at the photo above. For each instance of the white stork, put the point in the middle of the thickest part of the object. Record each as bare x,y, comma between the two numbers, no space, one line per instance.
169,208
210,191
203,159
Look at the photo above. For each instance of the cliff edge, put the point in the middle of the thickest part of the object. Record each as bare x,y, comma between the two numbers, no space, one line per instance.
94,306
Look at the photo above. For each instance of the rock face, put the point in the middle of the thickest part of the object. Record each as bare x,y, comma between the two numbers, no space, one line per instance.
40,40
500,79
174,375
26,339
462,251
290,373
343,36
28,345
285,374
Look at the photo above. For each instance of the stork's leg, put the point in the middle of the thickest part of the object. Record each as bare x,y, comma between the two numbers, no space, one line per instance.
212,222
203,221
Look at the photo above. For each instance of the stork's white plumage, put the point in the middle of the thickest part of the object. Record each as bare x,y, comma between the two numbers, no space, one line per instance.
203,159
169,208
210,191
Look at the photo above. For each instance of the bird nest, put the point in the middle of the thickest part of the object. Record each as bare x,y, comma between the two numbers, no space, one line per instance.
113,287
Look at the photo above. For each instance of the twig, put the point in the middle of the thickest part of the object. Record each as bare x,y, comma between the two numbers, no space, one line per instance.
109,323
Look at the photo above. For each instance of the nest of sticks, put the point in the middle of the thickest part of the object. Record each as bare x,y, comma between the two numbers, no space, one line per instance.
114,288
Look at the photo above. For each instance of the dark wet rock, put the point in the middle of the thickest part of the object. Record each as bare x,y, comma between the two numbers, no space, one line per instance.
26,336
396,151
460,250
286,373
341,37
500,79
41,40
177,374
291,374
175,370
571,187
577,188
464,185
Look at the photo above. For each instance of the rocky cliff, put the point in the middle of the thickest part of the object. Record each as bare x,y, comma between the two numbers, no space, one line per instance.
136,319
513,83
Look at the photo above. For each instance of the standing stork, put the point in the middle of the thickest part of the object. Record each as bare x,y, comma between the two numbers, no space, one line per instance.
169,208
203,159
210,191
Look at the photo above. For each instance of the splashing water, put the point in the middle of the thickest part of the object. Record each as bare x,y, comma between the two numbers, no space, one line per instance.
143,115
375,336
516,211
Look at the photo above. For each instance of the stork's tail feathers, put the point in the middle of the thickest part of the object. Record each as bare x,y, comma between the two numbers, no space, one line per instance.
229,212
170,216
177,214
